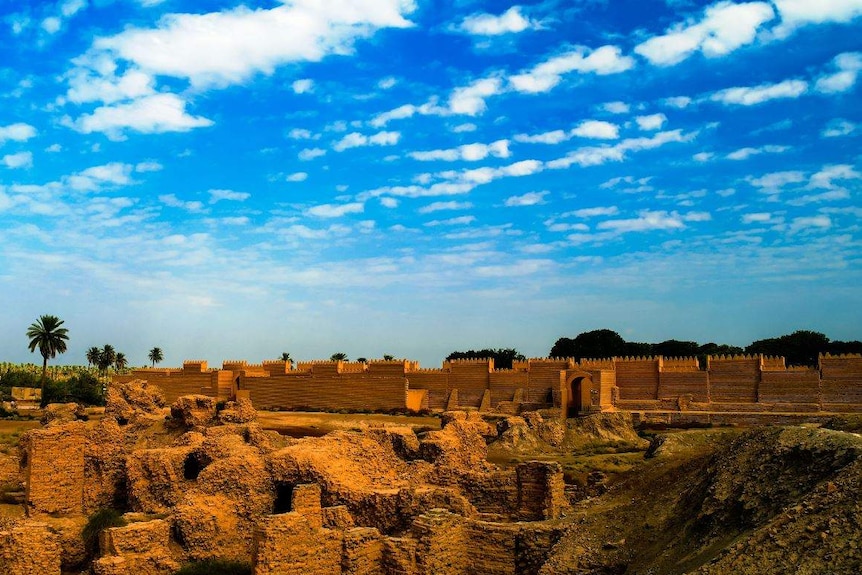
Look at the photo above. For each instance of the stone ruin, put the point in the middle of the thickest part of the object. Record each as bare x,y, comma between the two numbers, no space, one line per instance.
208,482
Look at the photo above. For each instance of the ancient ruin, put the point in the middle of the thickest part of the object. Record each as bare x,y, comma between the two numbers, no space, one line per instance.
675,389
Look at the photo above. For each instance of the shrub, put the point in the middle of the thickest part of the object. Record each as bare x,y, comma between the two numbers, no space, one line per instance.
98,522
215,567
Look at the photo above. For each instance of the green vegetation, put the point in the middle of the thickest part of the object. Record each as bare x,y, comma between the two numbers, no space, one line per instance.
215,567
338,356
156,355
84,388
799,348
98,522
503,358
46,334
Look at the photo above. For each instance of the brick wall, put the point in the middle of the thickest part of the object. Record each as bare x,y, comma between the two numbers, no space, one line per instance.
637,377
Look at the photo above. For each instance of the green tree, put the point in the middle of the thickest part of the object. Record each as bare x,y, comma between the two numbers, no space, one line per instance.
49,337
594,344
503,357
798,348
107,357
338,356
387,357
675,348
362,359
156,355
285,357
120,361
93,356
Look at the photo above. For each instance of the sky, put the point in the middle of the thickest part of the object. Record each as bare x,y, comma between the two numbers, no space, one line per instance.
233,180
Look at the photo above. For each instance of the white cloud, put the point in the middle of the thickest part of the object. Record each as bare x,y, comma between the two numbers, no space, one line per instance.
52,24
809,223
646,221
750,96
773,182
229,195
848,64
173,201
148,166
616,107
796,13
824,178
724,28
745,153
302,86
224,48
387,83
553,137
467,152
439,206
18,160
510,21
297,177
651,122
838,128
761,218
148,115
54,148
459,221
595,212
389,202
470,100
528,199
703,156
103,85
311,153
543,77
335,210
18,132
463,128
357,140
300,134
94,178
597,129
597,155
679,102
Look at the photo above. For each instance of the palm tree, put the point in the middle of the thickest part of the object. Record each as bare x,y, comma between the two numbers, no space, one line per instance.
387,357
107,357
49,337
93,356
285,357
156,355
120,362
338,356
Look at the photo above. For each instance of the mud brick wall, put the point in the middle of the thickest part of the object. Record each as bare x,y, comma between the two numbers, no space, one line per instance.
362,552
176,383
54,471
29,549
674,384
504,384
541,490
734,379
841,383
493,493
544,375
492,548
441,543
790,387
471,378
325,388
436,381
637,378
604,380
288,545
399,556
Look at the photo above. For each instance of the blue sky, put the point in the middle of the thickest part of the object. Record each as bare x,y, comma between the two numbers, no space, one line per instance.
233,180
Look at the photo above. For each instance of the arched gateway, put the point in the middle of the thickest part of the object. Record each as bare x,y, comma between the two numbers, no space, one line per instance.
577,393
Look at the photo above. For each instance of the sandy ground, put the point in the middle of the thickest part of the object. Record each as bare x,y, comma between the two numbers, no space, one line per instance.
305,423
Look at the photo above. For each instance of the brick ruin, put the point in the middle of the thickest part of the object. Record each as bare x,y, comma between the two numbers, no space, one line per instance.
380,501
747,383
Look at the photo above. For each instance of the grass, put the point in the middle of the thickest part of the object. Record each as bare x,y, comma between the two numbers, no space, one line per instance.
98,522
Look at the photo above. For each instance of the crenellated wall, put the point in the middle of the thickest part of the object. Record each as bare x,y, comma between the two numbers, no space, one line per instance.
729,383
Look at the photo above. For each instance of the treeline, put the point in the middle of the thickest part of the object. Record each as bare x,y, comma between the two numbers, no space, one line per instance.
79,386
798,348
503,358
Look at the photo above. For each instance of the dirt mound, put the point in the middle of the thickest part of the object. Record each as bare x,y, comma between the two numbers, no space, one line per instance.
533,434
771,500
125,401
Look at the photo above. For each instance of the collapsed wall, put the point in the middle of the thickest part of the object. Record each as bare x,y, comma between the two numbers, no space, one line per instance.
210,483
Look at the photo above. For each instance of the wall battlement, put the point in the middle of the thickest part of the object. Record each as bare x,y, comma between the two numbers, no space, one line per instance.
729,382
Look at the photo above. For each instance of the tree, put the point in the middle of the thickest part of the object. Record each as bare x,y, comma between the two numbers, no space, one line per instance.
338,356
387,357
49,337
93,356
120,361
798,348
156,355
594,344
107,357
675,348
503,358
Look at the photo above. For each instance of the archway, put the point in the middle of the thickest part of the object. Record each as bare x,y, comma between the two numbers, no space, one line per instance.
578,386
